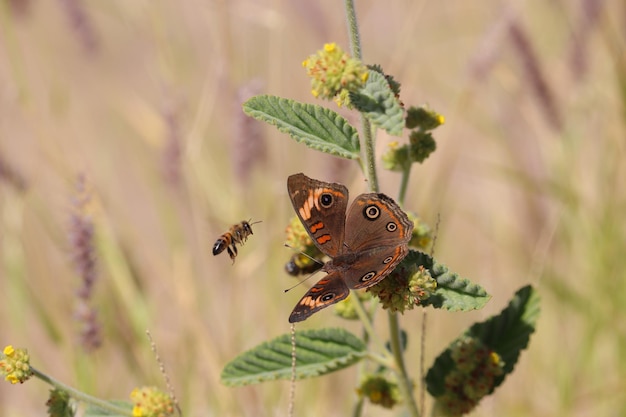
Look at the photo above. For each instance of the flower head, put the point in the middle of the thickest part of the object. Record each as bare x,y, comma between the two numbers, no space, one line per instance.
151,402
405,288
423,118
474,376
379,390
15,365
300,241
332,71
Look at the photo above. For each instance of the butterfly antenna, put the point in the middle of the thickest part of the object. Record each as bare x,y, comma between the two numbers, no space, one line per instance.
310,275
300,282
317,261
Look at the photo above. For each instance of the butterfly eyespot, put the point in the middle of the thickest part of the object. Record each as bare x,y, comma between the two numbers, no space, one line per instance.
328,297
371,212
388,259
392,227
368,276
326,200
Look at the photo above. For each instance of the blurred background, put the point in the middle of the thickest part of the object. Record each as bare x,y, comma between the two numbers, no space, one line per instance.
124,155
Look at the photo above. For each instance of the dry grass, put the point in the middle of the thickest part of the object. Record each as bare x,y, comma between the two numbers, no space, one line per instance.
142,99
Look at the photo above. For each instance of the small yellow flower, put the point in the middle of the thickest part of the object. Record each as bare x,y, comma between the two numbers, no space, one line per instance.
8,351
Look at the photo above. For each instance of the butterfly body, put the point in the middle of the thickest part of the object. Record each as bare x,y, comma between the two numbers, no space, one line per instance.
365,241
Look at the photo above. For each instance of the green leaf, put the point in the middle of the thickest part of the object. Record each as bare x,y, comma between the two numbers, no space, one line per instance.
317,127
453,293
318,352
378,103
507,334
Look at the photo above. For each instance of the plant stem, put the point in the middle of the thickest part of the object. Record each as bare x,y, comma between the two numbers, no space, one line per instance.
366,127
366,322
404,382
81,396
404,184
370,157
358,408
353,30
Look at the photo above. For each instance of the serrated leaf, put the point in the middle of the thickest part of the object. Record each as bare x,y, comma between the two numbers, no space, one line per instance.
318,352
453,293
317,127
507,334
95,411
379,104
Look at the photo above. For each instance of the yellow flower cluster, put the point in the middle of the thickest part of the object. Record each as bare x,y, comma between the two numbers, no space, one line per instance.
151,402
333,73
15,365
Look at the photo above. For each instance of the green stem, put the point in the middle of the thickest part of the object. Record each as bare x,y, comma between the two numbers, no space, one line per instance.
81,396
370,157
367,323
366,127
353,30
406,173
370,161
358,408
404,381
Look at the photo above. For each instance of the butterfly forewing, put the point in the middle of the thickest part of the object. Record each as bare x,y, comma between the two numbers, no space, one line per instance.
321,207
375,220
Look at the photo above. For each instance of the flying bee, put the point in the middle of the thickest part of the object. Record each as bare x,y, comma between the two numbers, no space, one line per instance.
237,233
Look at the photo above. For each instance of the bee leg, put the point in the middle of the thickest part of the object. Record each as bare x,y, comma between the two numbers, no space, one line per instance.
232,251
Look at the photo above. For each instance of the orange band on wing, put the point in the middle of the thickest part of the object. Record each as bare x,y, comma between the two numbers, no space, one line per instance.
323,239
317,226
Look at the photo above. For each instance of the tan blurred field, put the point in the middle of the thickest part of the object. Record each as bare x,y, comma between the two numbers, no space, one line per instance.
142,98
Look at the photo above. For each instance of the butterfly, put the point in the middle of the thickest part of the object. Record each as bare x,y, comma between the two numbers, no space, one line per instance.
365,241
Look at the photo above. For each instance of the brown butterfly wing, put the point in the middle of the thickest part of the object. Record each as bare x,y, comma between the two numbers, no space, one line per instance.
328,290
321,207
377,237
375,220
370,267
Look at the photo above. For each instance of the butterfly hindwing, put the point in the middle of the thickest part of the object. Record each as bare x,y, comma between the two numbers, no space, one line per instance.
328,290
